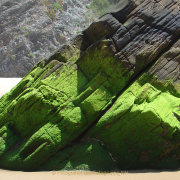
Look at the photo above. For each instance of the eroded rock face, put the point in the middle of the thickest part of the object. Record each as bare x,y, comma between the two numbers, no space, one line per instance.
108,100
32,29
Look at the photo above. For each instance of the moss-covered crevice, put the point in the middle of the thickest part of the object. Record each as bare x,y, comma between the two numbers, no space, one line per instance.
84,156
142,119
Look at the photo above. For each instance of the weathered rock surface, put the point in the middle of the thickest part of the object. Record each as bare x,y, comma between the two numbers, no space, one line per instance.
32,29
108,100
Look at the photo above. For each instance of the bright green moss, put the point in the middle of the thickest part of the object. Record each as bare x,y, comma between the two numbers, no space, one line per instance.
100,58
137,127
88,156
43,120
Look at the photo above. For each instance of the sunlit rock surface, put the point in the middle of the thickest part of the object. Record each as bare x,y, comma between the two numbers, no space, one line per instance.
109,100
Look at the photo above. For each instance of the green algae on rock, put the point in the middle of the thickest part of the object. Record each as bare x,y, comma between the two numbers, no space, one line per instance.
109,100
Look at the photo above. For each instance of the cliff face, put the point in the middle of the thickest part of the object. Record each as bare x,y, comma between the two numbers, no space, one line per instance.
108,100
32,29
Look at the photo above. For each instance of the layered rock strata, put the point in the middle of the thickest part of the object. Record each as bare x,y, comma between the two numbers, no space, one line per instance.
108,100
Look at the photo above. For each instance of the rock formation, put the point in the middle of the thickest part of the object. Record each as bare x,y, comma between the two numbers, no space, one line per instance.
32,29
108,100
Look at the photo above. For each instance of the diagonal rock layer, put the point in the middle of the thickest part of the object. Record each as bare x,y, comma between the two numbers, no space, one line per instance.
108,100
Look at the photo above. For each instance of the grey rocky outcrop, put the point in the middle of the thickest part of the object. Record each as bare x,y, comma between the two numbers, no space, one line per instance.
31,30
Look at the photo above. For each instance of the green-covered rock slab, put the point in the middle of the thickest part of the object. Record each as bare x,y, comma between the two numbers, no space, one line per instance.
109,100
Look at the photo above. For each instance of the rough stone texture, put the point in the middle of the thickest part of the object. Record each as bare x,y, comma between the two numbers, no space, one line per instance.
28,32
108,100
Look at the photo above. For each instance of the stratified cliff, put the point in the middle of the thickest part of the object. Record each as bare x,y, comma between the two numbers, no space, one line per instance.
108,100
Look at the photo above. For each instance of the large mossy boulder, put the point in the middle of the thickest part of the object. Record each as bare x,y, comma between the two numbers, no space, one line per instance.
109,100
